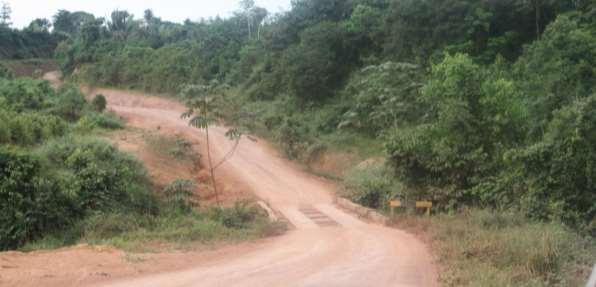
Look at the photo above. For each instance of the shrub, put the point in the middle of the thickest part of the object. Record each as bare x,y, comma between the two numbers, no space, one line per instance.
30,205
69,103
105,226
238,217
474,117
291,136
382,97
102,178
99,120
99,103
179,194
559,171
5,72
26,94
29,128
371,185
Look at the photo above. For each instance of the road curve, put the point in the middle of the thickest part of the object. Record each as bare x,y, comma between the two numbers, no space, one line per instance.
328,247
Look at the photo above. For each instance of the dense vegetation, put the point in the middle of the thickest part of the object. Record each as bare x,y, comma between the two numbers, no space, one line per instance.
34,41
60,184
50,178
486,103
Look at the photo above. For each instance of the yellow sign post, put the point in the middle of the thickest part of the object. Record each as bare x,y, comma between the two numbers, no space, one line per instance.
424,205
393,204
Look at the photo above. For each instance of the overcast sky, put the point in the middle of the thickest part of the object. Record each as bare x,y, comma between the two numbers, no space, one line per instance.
24,11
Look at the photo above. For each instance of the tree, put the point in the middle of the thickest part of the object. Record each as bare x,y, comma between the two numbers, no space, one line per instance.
203,105
247,6
560,170
40,25
473,117
120,24
62,22
91,32
69,23
148,16
318,64
99,103
258,15
5,12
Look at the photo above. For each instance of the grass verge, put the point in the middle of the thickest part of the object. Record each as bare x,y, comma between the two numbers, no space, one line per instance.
489,248
171,228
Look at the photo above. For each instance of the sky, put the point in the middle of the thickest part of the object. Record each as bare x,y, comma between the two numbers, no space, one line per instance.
24,11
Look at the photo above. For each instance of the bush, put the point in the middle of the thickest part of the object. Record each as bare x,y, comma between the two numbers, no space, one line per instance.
69,103
382,97
29,128
474,117
99,103
291,136
30,205
5,72
99,120
27,94
238,217
179,195
105,226
559,171
372,185
101,178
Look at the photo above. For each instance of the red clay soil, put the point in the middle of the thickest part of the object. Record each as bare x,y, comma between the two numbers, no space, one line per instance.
328,247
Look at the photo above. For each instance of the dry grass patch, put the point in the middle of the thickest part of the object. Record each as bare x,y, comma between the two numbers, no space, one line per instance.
486,248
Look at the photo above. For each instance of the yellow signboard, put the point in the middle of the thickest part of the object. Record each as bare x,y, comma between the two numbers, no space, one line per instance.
395,203
425,204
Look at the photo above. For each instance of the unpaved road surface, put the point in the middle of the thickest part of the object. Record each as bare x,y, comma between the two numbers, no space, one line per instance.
327,247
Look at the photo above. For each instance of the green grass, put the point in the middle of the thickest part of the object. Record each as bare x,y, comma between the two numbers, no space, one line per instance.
176,148
171,229
489,248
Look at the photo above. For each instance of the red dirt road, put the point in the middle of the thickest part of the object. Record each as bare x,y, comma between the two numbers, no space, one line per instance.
328,247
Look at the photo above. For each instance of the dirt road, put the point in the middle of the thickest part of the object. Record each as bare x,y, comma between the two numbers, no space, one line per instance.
328,247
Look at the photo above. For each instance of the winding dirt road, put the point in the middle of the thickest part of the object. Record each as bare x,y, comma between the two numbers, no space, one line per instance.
327,247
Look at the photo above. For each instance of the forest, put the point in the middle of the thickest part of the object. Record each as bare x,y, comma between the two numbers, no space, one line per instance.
471,104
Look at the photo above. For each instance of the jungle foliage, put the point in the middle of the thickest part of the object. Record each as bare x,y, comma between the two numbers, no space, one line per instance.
483,103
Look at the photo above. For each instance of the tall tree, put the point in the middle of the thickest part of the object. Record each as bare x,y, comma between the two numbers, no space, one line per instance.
247,7
120,24
69,23
5,13
258,15
40,25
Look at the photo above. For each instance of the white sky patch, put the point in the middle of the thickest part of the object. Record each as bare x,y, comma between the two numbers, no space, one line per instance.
24,11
